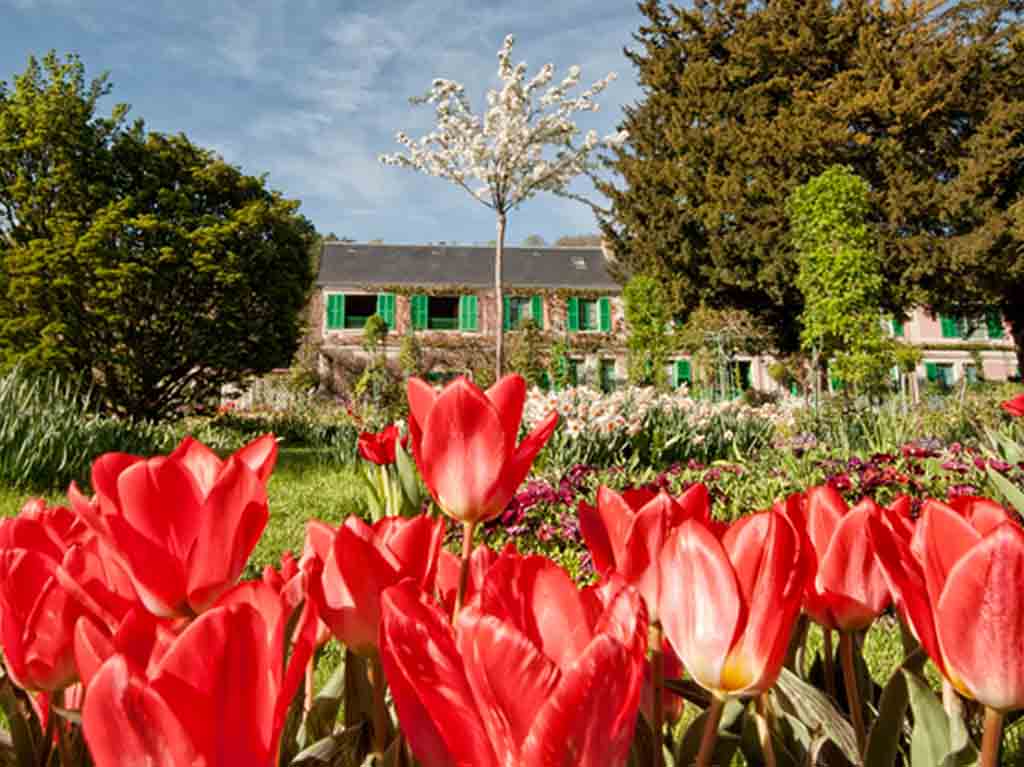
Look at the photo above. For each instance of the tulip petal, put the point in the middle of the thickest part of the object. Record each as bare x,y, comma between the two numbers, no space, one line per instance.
848,569
128,724
508,397
985,515
233,518
700,602
160,500
105,471
201,462
640,564
540,599
980,620
825,509
764,552
425,673
519,464
906,581
463,451
605,683
222,683
510,678
260,455
604,528
421,397
694,503
941,538
414,543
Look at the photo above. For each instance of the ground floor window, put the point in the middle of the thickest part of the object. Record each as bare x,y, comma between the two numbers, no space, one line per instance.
350,311
444,312
608,379
940,373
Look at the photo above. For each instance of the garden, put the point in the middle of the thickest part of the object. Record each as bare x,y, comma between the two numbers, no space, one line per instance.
742,584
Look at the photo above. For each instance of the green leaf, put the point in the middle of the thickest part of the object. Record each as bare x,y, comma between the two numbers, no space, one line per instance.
1013,494
323,714
344,749
938,740
809,705
727,743
408,476
26,735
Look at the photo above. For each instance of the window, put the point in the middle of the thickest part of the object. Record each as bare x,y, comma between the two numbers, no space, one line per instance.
971,373
444,312
590,314
680,373
951,326
897,328
519,308
608,379
940,373
989,326
994,323
350,311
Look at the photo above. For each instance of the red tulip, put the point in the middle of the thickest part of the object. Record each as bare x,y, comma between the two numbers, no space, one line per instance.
517,680
449,570
728,606
218,695
848,590
1014,406
957,586
361,561
183,525
464,442
379,448
141,638
625,533
38,610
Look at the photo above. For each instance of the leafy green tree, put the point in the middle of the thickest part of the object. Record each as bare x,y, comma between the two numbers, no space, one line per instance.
528,352
140,261
648,318
840,277
743,102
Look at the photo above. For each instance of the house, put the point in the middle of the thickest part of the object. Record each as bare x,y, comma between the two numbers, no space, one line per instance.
445,294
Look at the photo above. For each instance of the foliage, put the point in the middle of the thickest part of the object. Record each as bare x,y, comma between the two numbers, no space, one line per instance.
50,432
578,241
528,353
141,260
523,145
742,102
559,369
410,355
648,317
840,278
715,337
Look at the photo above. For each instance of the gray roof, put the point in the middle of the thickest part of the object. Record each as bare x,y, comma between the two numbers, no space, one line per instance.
344,263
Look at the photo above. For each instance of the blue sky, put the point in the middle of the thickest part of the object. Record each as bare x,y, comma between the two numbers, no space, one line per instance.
311,92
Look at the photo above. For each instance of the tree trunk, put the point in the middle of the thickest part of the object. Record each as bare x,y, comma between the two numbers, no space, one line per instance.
1017,333
499,302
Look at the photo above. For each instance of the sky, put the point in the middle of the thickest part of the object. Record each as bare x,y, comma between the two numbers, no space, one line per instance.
311,92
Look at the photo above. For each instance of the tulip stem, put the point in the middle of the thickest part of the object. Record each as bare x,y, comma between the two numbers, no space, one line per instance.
710,736
852,691
764,730
830,666
991,739
468,528
657,683
380,706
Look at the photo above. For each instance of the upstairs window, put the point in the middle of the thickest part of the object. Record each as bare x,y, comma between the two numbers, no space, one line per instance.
587,314
519,308
350,311
444,312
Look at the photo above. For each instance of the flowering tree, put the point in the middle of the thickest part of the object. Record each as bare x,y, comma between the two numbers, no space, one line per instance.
501,158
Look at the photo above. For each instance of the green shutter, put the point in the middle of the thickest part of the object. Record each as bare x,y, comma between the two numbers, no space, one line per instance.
931,371
506,313
605,305
673,377
336,311
537,310
574,314
897,328
418,310
683,372
995,324
950,326
467,313
386,308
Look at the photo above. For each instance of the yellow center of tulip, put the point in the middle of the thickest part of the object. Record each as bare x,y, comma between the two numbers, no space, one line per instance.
736,674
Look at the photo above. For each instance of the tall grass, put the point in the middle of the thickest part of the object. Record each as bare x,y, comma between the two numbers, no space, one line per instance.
50,434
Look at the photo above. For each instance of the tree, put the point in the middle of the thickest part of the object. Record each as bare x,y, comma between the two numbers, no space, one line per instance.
523,145
170,274
744,101
578,241
840,277
534,241
648,317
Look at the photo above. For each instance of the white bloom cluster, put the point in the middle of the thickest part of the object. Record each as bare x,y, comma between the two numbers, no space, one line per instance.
501,159
583,410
